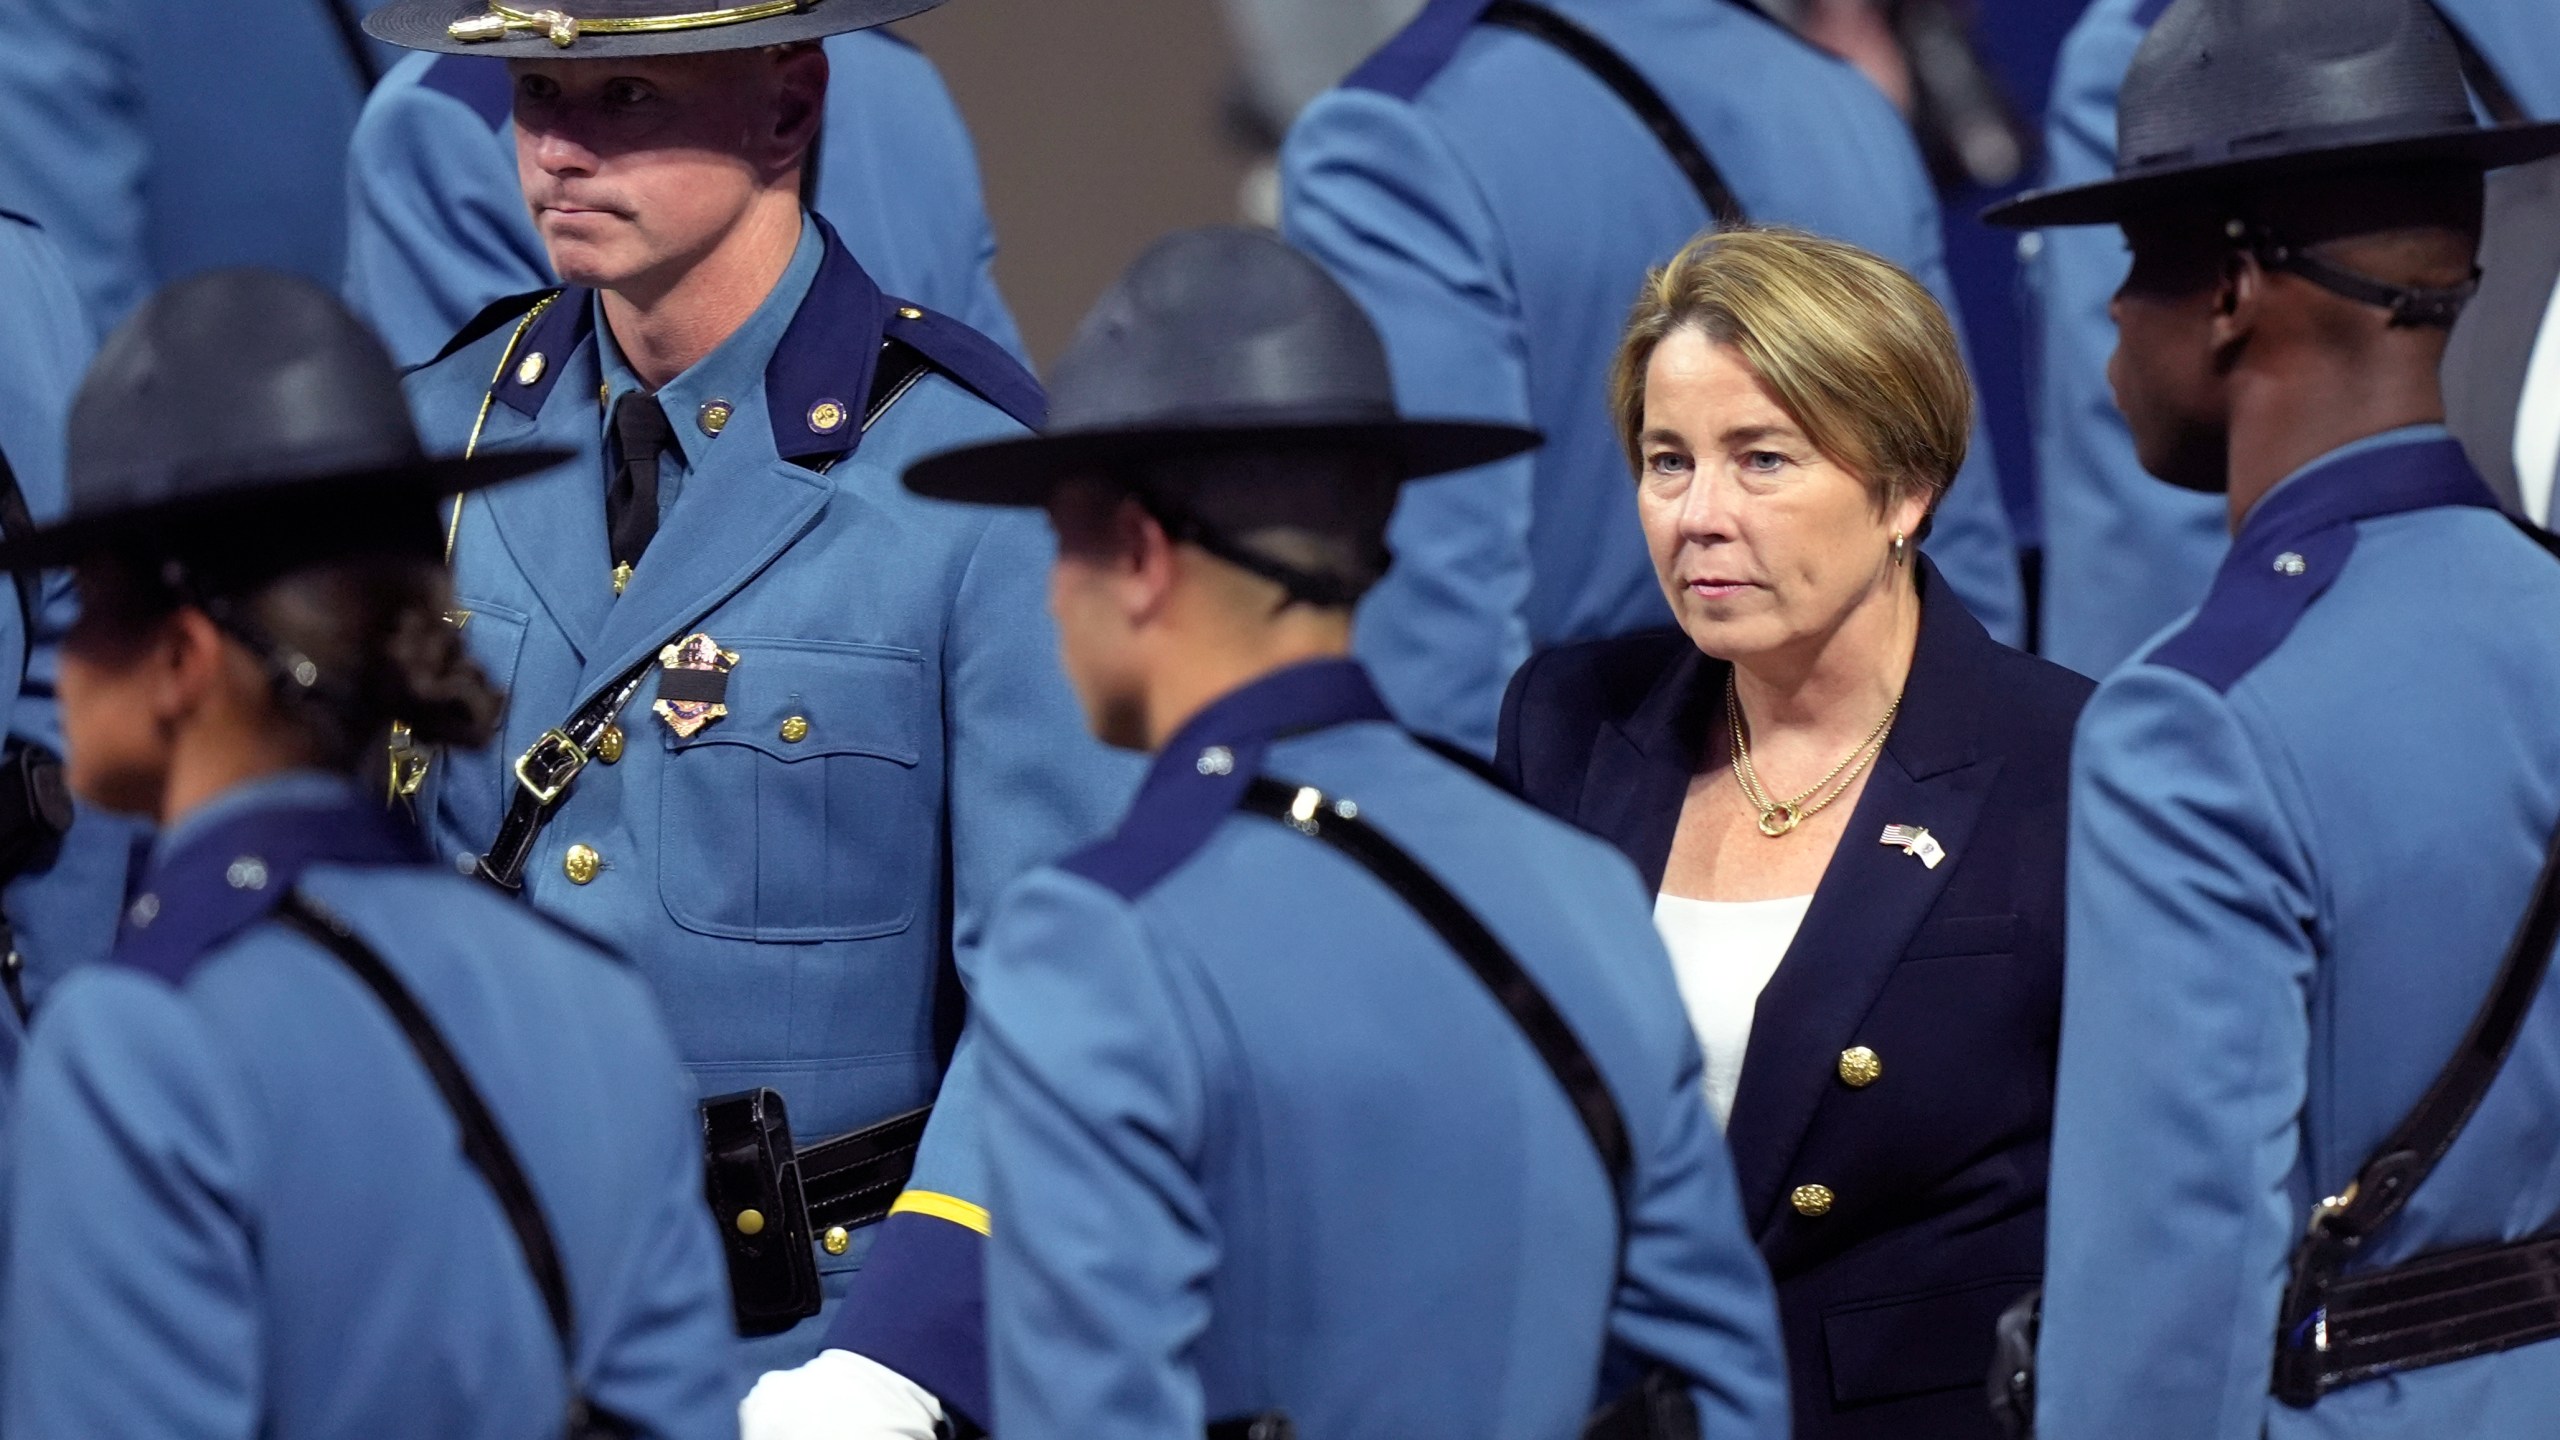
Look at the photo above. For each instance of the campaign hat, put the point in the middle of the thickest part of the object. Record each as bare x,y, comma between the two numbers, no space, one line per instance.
247,409
2226,96
620,29
1216,339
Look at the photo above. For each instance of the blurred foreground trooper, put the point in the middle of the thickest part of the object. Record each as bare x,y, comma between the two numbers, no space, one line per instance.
2305,822
779,731
1337,1084
336,1142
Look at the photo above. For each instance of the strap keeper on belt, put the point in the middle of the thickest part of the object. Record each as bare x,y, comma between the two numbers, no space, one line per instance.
547,769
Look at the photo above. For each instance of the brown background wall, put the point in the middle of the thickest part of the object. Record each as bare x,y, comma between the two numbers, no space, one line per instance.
1097,127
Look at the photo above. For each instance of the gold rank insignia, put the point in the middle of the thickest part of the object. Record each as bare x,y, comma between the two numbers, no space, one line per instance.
693,683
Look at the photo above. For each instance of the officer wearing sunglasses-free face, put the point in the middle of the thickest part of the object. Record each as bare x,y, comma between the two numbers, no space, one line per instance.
829,721
2304,819
237,1204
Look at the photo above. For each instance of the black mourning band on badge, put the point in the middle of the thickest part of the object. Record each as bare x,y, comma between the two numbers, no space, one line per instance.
700,687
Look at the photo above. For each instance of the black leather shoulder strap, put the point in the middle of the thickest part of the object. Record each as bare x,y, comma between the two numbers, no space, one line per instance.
1311,813
1611,69
16,521
483,1143
2409,1154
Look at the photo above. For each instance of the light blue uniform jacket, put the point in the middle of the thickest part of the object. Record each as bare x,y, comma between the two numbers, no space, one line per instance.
63,911
158,138
1496,209
2303,827
1261,1141
437,227
239,1208
794,901
2124,554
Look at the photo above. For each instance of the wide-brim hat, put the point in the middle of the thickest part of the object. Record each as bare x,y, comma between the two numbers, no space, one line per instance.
247,410
2228,95
1217,340
615,29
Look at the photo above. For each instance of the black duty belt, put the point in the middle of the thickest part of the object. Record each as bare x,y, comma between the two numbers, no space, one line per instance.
774,1202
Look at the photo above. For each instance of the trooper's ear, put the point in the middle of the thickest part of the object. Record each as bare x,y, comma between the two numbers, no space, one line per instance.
2238,294
1146,555
799,102
191,664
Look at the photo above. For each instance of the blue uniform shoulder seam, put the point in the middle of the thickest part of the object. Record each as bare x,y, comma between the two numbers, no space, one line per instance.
976,363
1420,51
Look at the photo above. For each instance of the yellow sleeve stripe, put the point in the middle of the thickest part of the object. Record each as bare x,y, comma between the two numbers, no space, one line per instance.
943,1207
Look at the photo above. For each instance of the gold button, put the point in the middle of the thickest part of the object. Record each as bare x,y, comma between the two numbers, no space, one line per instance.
1860,1067
531,370
582,863
795,729
826,417
714,417
837,1240
909,312
750,1222
609,745
1811,1201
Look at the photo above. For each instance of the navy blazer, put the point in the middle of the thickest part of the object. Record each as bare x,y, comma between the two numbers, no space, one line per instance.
1952,975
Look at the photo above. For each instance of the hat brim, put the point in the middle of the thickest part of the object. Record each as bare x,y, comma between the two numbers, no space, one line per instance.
1028,469
170,524
427,25
2109,202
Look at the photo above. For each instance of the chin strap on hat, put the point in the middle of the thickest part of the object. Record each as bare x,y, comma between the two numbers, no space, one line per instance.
1304,587
2410,305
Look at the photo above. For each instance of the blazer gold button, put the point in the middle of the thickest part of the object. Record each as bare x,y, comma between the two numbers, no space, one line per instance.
795,729
581,863
750,1222
1811,1201
837,1240
1860,1067
609,745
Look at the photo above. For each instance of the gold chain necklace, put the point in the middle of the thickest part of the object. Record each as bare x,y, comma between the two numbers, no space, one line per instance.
1777,817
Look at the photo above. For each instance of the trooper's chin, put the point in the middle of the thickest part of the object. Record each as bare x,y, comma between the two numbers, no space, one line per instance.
2195,458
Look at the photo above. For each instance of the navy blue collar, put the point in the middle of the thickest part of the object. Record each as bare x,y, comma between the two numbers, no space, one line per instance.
2295,543
1201,773
219,880
816,382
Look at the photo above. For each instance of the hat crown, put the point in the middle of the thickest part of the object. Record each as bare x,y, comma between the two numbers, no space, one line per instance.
2223,80
228,381
1217,328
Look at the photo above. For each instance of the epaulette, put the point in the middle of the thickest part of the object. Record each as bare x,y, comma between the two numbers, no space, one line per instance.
491,317
971,360
479,81
1420,51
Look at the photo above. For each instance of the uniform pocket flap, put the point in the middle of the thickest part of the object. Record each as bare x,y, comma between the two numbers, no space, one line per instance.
1916,1343
1964,935
798,699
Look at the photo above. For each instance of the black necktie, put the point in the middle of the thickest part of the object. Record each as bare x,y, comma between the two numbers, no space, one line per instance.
640,432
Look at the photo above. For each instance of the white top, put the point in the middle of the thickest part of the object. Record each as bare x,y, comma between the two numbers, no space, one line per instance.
1723,953
2538,418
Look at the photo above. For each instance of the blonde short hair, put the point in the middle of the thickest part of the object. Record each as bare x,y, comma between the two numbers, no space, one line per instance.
1861,356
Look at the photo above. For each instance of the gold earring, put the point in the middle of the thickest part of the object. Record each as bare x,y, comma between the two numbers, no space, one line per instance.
1901,551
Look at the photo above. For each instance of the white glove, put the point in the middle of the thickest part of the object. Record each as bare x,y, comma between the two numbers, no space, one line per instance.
838,1396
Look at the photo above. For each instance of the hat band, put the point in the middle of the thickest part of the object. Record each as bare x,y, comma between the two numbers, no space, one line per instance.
563,29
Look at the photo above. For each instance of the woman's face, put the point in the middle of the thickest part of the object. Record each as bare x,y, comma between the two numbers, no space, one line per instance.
1760,541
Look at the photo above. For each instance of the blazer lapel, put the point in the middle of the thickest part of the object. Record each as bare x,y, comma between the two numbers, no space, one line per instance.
1639,772
1870,900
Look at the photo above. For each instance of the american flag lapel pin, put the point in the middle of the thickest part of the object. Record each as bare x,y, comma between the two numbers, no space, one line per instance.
1916,840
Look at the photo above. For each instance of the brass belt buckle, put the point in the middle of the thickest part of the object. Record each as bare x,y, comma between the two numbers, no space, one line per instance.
546,769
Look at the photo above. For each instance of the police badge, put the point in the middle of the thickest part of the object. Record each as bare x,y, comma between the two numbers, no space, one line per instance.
693,683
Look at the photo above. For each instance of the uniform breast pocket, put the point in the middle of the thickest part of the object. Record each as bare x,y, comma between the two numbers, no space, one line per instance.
805,813
472,787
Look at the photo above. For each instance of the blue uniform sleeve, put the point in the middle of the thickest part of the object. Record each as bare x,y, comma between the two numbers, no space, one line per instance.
1097,1275
1373,193
1695,1295
2185,1041
129,1300
436,224
76,158
674,1310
